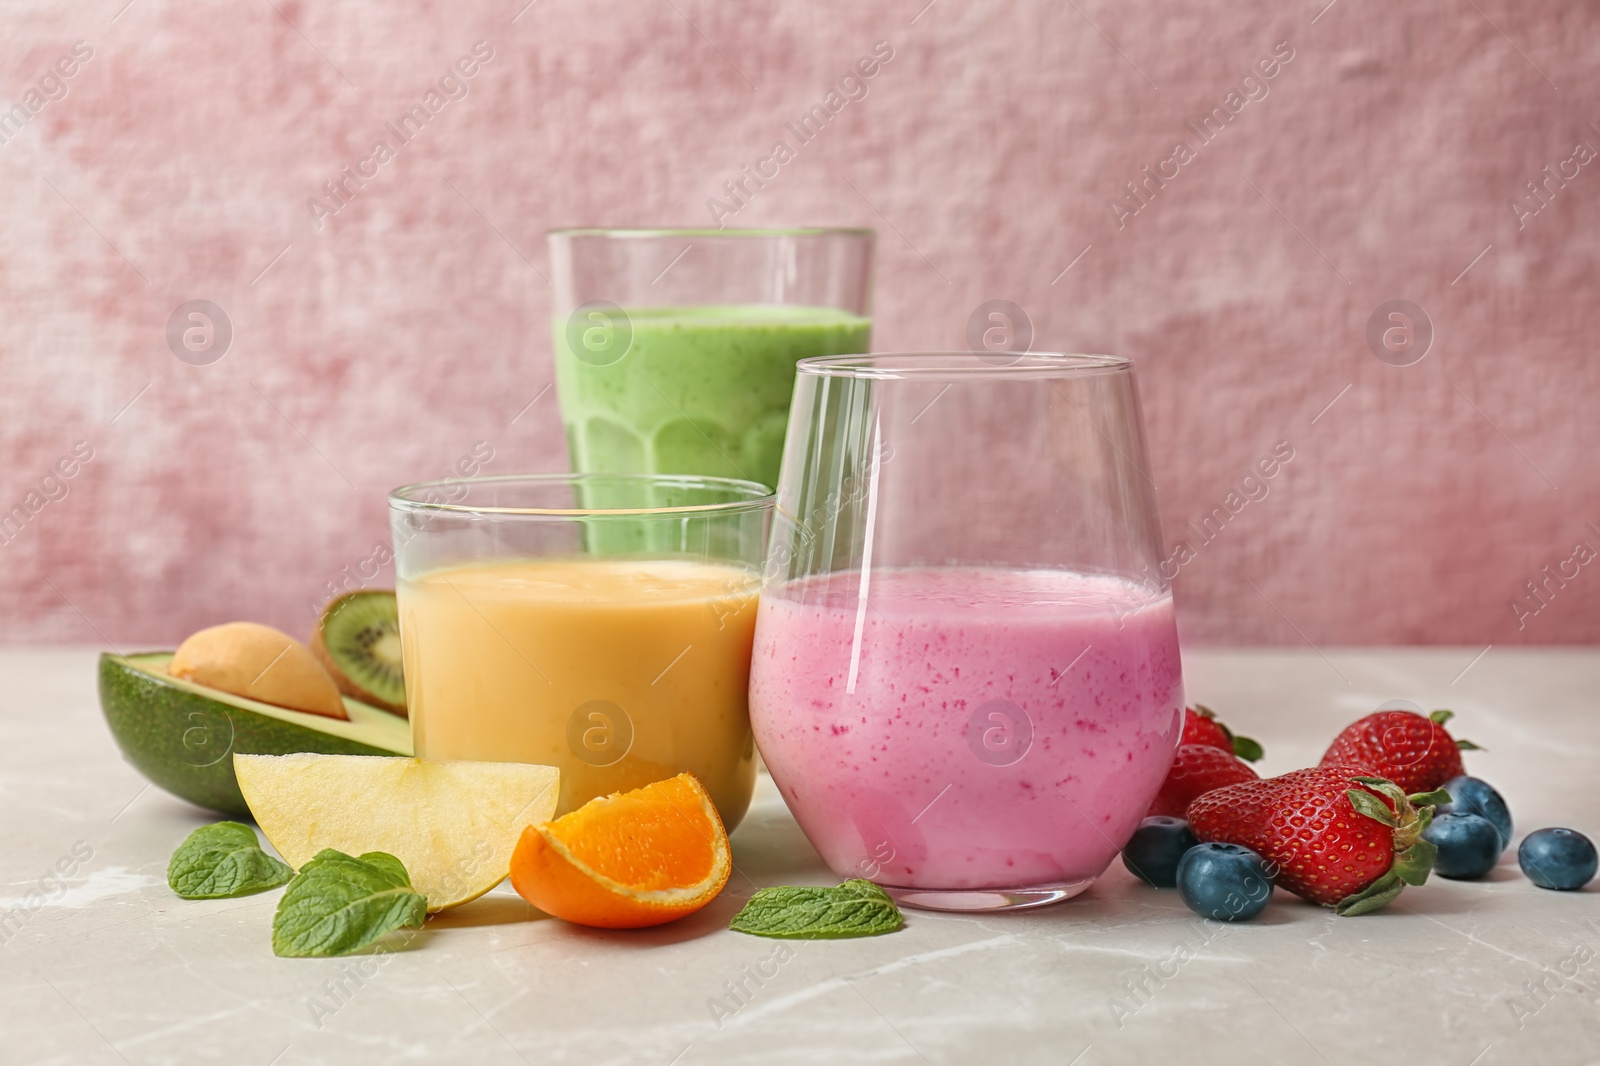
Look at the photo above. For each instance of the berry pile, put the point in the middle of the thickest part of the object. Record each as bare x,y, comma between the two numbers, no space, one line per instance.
1388,803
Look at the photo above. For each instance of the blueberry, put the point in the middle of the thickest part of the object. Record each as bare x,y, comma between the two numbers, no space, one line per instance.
1472,795
1558,858
1224,881
1154,850
1468,845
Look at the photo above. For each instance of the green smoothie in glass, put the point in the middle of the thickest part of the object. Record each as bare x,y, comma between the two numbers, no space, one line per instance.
675,349
700,390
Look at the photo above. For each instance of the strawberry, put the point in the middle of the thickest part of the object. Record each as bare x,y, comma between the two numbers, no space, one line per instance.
1197,769
1335,835
1414,752
1200,726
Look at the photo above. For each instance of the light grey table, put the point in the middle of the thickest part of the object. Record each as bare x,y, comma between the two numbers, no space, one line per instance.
118,970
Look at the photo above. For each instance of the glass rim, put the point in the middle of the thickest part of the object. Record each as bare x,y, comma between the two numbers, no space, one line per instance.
642,233
953,364
755,496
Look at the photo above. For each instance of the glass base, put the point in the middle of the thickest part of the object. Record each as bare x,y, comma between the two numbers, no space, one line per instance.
969,900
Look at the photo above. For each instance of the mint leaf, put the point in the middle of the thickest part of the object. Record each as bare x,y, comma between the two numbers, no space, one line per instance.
338,904
389,864
221,861
855,908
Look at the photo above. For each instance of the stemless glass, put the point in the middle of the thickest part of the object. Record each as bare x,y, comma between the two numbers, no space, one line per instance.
613,643
966,680
675,349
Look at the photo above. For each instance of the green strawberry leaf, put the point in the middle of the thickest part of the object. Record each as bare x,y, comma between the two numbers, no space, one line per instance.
1247,749
222,861
1383,785
1205,712
855,908
1371,806
1404,814
1441,717
338,904
1430,799
1374,896
1463,744
1414,863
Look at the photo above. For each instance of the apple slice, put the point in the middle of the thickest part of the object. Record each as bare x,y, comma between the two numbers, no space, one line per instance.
453,824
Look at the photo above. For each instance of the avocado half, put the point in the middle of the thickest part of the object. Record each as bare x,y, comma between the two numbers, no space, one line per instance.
182,736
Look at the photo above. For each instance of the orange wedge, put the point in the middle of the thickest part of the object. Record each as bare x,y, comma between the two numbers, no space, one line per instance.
627,860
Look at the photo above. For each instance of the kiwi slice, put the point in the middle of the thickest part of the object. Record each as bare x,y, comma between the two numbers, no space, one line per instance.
357,640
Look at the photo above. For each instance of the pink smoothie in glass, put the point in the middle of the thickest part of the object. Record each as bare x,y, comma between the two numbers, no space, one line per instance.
971,728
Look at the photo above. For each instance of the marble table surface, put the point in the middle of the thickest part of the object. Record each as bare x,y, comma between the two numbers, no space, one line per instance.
118,970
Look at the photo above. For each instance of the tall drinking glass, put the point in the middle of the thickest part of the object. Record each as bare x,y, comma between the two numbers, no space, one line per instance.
966,680
675,349
531,635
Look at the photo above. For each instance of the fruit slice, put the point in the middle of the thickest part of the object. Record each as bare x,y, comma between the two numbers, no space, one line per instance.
453,824
357,641
627,860
179,734
258,663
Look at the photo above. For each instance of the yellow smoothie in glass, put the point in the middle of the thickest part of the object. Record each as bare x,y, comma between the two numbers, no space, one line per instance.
619,671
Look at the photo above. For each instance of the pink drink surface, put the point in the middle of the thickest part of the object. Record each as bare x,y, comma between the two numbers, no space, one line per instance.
1004,728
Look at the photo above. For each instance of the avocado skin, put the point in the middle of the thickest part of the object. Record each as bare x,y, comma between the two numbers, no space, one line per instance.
184,742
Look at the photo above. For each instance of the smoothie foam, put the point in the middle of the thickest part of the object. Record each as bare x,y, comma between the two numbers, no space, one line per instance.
988,728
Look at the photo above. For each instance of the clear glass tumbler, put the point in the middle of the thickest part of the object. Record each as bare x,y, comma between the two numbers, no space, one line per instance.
613,643
675,349
966,680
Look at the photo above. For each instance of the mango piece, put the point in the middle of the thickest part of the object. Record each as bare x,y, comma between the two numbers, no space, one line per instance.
259,663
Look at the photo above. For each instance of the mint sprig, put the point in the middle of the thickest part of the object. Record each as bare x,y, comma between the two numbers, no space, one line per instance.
855,908
222,861
338,904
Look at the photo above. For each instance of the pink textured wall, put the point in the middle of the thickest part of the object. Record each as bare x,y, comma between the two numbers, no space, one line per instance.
1379,163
